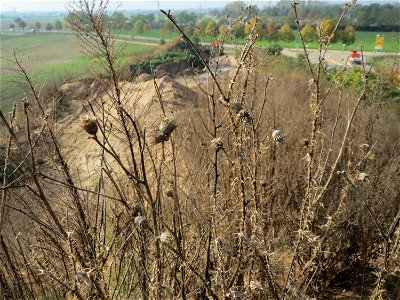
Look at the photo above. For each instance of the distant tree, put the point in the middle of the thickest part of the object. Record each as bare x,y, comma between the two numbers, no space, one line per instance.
286,33
168,26
118,20
58,25
234,9
12,26
73,19
22,25
187,19
249,26
223,29
148,18
49,27
238,29
308,33
18,20
211,28
146,27
138,27
220,22
325,31
37,25
272,31
348,35
201,26
271,26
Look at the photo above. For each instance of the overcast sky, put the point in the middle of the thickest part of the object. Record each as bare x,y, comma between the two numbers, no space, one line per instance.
59,5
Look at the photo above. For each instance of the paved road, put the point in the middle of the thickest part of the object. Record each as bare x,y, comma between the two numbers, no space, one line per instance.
333,57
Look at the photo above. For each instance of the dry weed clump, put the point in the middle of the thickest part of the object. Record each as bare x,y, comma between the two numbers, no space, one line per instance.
287,191
89,123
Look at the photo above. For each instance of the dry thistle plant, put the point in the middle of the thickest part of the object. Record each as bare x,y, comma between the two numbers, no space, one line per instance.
217,208
89,124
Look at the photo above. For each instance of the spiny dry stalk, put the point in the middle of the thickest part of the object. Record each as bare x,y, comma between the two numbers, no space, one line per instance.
242,198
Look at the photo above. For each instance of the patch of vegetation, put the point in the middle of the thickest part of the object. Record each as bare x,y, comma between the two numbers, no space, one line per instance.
177,52
274,50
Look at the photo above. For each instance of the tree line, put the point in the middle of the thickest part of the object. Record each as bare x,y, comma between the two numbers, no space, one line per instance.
277,21
57,25
373,17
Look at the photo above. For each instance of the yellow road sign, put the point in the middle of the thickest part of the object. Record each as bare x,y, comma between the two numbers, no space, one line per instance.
379,41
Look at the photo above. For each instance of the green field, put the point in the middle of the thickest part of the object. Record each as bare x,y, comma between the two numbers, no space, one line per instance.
50,58
367,38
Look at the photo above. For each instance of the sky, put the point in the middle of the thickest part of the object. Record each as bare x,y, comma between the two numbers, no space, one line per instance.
59,5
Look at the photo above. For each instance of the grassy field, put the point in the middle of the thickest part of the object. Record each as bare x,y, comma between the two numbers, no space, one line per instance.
49,58
367,38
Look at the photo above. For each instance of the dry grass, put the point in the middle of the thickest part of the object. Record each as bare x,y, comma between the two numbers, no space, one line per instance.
219,208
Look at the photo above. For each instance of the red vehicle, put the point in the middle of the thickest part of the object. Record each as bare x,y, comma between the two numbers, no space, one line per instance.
355,57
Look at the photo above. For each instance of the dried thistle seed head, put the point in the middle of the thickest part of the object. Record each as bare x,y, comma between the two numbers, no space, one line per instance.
89,123
305,142
242,158
255,285
159,137
169,193
244,116
136,210
363,176
168,125
263,182
166,238
217,144
237,106
140,221
365,146
278,136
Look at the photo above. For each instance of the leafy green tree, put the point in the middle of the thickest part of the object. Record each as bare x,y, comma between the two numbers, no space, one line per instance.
326,29
58,25
308,33
249,25
12,26
168,26
18,21
234,9
49,27
22,25
118,20
76,18
348,35
238,29
38,25
223,29
186,19
201,26
286,33
138,27
145,18
220,22
211,28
